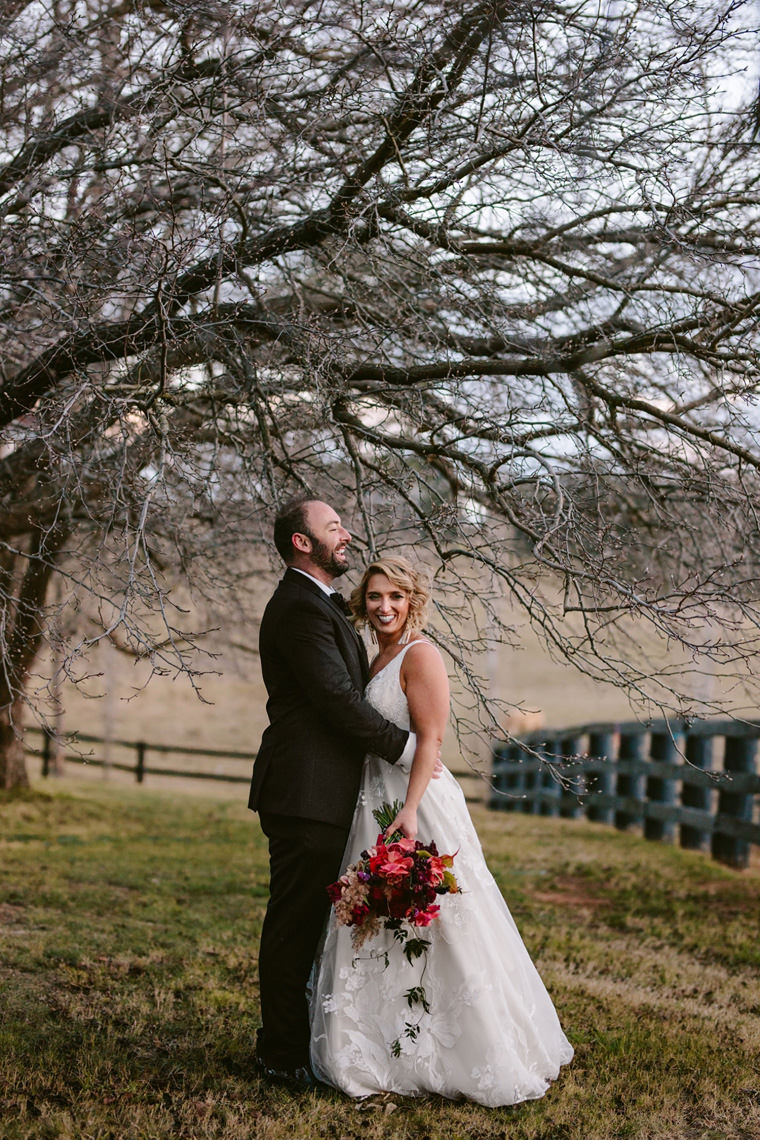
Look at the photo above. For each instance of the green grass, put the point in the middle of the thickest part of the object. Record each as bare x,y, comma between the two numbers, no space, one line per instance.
129,922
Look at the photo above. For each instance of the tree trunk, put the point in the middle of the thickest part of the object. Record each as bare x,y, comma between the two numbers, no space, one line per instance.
23,610
13,773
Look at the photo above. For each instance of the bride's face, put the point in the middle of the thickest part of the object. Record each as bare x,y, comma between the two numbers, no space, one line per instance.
387,606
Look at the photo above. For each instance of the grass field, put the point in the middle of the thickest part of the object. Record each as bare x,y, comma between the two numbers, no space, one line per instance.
129,921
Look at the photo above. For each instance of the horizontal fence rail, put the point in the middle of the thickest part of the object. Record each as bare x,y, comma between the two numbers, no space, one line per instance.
140,749
140,767
694,781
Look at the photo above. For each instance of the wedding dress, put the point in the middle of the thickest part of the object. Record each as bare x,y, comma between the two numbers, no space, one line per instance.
492,1034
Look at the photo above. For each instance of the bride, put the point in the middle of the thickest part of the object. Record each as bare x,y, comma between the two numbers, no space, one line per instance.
491,1034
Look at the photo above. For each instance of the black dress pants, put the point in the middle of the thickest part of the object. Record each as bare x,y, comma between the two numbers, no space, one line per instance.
304,858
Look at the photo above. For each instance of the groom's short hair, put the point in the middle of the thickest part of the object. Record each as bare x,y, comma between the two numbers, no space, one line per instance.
291,519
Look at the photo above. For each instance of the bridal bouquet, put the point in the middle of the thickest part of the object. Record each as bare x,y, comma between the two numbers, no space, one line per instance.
394,886
395,882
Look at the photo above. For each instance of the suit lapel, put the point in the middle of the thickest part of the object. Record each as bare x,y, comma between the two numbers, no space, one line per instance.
359,643
293,577
362,655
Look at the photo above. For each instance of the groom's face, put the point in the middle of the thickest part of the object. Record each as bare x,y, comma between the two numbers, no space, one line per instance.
329,539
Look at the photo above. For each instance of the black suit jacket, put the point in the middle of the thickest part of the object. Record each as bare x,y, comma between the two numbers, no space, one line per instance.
320,728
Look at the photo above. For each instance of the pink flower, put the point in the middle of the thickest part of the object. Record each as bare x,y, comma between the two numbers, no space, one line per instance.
395,868
435,870
408,846
425,917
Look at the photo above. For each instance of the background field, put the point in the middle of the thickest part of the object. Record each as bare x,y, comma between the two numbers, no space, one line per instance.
116,701
129,920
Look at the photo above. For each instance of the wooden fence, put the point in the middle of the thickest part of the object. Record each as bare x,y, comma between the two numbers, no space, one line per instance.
694,781
139,766
81,750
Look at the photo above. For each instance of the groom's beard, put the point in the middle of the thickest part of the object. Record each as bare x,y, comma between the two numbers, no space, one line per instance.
326,559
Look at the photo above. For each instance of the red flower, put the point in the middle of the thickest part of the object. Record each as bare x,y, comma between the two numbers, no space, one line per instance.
398,906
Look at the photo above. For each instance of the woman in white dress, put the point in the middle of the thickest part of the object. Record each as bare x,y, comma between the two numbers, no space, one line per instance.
491,1034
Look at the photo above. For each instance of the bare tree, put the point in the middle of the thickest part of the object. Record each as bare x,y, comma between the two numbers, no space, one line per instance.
489,273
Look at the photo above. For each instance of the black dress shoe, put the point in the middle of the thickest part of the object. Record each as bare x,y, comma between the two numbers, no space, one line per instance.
300,1079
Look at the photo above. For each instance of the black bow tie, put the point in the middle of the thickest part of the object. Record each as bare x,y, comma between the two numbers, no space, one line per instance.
338,599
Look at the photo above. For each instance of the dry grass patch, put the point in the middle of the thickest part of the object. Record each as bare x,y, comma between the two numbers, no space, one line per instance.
129,921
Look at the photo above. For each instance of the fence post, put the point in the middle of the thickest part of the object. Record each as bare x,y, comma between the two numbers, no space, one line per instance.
507,778
569,802
665,748
550,794
739,757
631,784
45,752
523,779
140,769
499,776
601,745
699,753
533,781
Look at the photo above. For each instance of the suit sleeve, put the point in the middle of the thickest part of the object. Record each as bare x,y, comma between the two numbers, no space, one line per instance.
307,644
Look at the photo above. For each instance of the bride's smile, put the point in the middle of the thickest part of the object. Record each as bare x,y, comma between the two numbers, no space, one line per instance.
387,608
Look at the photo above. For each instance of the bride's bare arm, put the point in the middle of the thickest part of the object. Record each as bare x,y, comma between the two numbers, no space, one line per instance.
424,679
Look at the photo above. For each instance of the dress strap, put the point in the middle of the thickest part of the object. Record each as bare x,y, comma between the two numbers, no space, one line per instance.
409,644
417,641
399,657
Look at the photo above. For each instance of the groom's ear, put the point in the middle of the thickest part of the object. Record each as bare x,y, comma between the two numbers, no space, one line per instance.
301,543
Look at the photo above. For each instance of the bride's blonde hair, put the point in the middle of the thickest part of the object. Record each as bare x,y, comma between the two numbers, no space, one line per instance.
404,576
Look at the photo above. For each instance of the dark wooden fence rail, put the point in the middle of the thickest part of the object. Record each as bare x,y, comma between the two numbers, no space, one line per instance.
142,749
140,768
697,782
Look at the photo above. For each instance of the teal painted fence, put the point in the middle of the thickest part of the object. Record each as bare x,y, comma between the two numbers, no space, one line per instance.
696,783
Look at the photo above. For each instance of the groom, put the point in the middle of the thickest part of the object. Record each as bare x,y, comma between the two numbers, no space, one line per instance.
307,772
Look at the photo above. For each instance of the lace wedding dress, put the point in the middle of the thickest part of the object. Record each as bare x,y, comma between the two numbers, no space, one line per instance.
492,1034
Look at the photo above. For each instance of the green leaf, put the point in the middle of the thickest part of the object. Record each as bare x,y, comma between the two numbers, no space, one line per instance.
417,996
415,947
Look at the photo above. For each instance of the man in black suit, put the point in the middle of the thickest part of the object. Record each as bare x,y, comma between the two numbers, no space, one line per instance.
307,772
